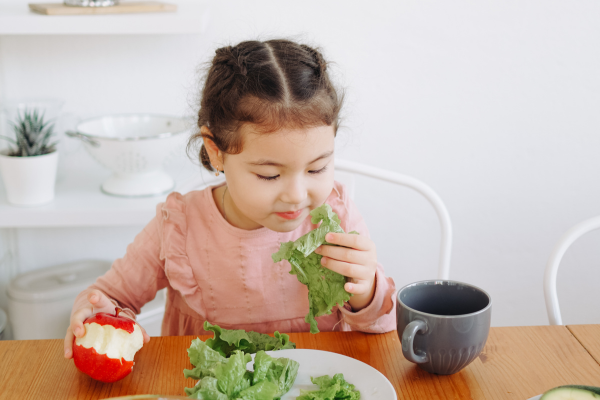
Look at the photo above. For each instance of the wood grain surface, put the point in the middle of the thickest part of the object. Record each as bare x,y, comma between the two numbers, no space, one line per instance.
589,337
517,363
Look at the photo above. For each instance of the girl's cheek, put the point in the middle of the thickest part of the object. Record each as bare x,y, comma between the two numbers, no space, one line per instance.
261,196
323,187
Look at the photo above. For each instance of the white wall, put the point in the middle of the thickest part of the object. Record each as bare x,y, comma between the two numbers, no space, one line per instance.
493,104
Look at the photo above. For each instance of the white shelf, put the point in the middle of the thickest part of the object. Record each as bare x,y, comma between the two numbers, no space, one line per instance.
79,202
17,19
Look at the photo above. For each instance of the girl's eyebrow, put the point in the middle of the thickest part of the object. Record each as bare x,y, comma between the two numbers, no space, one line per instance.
276,164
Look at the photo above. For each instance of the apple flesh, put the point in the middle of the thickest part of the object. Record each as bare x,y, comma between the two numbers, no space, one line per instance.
105,352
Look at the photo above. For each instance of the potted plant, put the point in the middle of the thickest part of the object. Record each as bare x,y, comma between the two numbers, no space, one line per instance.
29,165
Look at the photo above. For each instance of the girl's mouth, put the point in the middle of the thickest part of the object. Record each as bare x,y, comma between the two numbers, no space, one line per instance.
290,214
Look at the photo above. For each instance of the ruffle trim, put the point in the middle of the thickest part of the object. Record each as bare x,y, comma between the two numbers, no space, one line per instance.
173,245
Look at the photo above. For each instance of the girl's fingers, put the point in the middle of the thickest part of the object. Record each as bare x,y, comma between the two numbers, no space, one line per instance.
349,270
357,242
77,319
359,287
345,254
68,346
100,302
146,336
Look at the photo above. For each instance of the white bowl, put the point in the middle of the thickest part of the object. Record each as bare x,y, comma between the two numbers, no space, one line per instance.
134,147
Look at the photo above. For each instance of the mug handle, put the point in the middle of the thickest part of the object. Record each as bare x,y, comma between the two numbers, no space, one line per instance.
408,340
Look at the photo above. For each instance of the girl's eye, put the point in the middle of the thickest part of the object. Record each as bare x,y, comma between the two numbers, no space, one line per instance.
267,178
318,171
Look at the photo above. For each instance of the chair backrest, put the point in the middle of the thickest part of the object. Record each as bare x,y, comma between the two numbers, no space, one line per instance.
556,256
344,168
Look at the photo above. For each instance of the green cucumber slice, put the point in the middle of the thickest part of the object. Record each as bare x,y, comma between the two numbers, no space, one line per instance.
572,392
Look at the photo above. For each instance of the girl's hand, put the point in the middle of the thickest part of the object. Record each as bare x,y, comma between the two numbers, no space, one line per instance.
357,260
97,302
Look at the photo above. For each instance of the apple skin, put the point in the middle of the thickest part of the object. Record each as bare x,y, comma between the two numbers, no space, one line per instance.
127,324
100,366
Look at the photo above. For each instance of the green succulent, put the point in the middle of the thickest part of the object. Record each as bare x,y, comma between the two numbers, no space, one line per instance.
32,135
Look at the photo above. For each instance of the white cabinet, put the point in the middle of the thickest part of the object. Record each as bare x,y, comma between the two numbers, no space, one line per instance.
98,64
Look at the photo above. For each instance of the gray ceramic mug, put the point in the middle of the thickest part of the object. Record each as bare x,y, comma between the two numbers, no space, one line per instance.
443,325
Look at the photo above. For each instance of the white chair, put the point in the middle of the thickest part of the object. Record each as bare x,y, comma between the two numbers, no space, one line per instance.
552,267
415,184
344,172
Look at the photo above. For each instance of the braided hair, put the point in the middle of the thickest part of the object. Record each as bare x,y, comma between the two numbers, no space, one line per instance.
271,84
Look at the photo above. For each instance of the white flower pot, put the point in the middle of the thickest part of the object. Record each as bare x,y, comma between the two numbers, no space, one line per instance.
29,181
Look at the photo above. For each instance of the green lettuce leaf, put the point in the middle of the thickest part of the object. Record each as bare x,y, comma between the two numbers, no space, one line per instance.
263,390
283,373
204,359
280,341
335,388
280,371
231,376
325,287
225,341
206,389
262,365
230,379
226,378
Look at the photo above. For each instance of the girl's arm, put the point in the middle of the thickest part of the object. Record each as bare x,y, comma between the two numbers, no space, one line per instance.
131,282
134,279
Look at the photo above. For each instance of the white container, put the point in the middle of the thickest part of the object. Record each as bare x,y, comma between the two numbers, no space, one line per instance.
29,181
134,147
40,301
3,321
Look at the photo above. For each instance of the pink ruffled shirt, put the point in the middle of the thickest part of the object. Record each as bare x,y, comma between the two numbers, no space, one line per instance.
214,271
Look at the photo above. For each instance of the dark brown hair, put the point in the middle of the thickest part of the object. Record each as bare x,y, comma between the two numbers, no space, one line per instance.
273,84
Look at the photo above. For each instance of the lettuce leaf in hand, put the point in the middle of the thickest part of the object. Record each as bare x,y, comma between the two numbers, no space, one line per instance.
325,287
225,341
335,388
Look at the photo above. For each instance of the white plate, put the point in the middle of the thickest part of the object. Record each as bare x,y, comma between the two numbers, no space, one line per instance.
372,384
536,397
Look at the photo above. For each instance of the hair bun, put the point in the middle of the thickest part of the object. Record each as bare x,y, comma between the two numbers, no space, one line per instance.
231,57
320,63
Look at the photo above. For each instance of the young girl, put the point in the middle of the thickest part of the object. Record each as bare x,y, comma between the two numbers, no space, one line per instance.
268,119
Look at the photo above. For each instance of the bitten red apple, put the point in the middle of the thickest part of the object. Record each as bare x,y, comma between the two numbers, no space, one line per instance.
105,352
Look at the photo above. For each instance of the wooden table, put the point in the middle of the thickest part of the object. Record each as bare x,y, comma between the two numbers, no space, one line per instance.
517,363
589,337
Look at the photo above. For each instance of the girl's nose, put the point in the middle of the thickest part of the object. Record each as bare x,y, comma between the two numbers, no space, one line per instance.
295,192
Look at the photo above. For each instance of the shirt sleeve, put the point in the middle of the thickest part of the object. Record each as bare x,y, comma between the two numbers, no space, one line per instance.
380,315
134,279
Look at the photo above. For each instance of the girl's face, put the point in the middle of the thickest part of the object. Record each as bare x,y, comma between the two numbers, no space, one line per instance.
278,178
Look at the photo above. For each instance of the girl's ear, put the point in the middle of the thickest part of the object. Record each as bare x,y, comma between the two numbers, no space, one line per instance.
215,155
